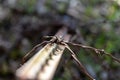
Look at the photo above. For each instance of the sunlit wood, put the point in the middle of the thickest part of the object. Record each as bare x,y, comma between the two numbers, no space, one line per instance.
33,68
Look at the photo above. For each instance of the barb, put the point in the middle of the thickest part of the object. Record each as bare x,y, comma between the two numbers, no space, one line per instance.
78,62
114,58
49,37
97,51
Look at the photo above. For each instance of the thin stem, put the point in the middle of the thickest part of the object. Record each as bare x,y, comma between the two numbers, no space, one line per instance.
48,37
33,49
85,47
79,63
114,58
97,51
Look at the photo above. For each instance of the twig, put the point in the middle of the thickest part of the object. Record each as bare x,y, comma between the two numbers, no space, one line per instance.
43,63
36,67
79,63
34,48
97,51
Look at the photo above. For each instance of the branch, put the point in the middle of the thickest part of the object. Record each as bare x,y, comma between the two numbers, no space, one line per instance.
79,63
43,64
97,51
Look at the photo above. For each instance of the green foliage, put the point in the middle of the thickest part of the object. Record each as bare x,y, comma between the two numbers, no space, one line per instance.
16,54
48,4
67,75
88,11
57,6
28,5
87,59
112,44
114,12
100,41
4,69
92,3
62,7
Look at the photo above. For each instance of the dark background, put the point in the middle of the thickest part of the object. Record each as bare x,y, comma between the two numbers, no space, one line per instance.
23,23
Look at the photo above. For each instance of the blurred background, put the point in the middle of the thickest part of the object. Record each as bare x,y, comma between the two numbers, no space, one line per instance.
23,23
